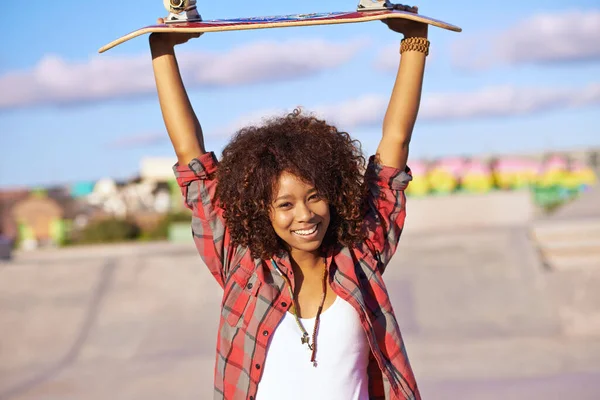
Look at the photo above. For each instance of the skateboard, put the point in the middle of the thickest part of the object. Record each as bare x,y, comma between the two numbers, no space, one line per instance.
184,17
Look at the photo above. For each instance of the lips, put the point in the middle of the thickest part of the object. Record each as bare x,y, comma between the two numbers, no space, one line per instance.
306,232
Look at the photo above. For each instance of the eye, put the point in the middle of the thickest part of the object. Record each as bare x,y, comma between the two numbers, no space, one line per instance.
315,196
287,204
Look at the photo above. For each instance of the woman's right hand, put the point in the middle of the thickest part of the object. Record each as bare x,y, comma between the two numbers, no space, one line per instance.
170,39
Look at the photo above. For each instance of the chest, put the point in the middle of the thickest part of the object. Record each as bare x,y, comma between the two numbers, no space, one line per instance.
260,292
310,292
342,358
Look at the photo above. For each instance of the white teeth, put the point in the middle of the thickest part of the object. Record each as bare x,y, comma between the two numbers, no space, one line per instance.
306,232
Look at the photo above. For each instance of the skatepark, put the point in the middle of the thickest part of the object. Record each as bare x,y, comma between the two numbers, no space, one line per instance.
485,313
495,281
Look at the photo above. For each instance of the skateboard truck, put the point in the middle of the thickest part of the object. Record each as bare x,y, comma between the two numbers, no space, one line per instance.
374,5
181,11
382,5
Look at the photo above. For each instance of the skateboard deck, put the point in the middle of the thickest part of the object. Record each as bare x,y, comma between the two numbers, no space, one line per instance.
222,25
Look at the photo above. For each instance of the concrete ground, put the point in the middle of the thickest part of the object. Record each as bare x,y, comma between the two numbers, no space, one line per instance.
481,317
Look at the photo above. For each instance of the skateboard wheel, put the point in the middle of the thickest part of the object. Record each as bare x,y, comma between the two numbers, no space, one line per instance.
176,6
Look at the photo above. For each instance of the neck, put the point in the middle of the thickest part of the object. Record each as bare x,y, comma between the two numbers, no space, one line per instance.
306,261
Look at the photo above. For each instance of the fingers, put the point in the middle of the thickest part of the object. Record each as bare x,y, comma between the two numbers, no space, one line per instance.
160,21
411,9
189,36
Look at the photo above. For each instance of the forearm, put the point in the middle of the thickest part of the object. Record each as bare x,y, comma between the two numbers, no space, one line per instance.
180,120
403,107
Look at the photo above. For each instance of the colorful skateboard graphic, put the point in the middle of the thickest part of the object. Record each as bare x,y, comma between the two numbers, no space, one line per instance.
187,20
279,18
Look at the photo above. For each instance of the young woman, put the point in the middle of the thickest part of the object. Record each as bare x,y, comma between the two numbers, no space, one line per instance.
298,230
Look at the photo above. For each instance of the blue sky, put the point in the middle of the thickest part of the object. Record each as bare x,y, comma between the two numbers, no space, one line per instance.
517,79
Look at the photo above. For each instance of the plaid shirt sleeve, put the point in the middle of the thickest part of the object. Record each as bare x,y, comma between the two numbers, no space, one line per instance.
211,236
385,210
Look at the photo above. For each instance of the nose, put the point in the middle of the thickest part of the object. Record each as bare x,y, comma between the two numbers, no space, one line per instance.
303,213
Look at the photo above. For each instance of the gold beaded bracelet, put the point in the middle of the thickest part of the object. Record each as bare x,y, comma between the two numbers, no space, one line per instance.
415,44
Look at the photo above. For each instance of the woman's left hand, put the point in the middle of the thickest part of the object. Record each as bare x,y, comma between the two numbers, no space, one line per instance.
407,27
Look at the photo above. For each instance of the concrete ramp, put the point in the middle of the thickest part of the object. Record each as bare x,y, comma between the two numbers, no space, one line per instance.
570,238
469,211
480,318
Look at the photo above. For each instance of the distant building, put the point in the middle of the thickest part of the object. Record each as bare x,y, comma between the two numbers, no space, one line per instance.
157,169
8,199
39,219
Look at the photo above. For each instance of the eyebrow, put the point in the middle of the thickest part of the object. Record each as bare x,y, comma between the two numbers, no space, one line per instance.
287,196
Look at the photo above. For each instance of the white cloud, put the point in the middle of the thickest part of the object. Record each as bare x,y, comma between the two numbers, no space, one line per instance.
506,101
388,58
272,61
252,118
362,111
141,140
542,39
55,81
500,101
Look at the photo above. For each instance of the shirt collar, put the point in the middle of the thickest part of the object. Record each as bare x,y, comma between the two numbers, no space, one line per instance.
284,264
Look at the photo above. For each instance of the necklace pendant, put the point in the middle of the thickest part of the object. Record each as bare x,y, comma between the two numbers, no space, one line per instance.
305,339
315,364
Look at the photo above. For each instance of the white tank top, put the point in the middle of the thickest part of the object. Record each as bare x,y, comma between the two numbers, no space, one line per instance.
342,357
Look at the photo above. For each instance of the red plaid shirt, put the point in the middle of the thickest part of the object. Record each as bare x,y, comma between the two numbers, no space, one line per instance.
255,298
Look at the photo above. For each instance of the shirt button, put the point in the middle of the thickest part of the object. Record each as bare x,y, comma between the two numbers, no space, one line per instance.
250,286
257,366
266,333
283,304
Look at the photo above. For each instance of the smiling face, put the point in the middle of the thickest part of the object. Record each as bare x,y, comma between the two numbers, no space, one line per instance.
299,215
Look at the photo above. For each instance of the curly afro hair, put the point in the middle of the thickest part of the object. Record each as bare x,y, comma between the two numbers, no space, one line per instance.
305,146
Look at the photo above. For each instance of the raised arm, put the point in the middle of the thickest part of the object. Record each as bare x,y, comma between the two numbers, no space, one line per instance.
181,122
404,103
196,169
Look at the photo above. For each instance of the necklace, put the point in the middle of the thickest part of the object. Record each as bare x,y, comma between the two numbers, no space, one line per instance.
305,339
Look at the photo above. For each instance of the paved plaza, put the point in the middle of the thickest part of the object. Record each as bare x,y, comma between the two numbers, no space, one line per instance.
482,319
